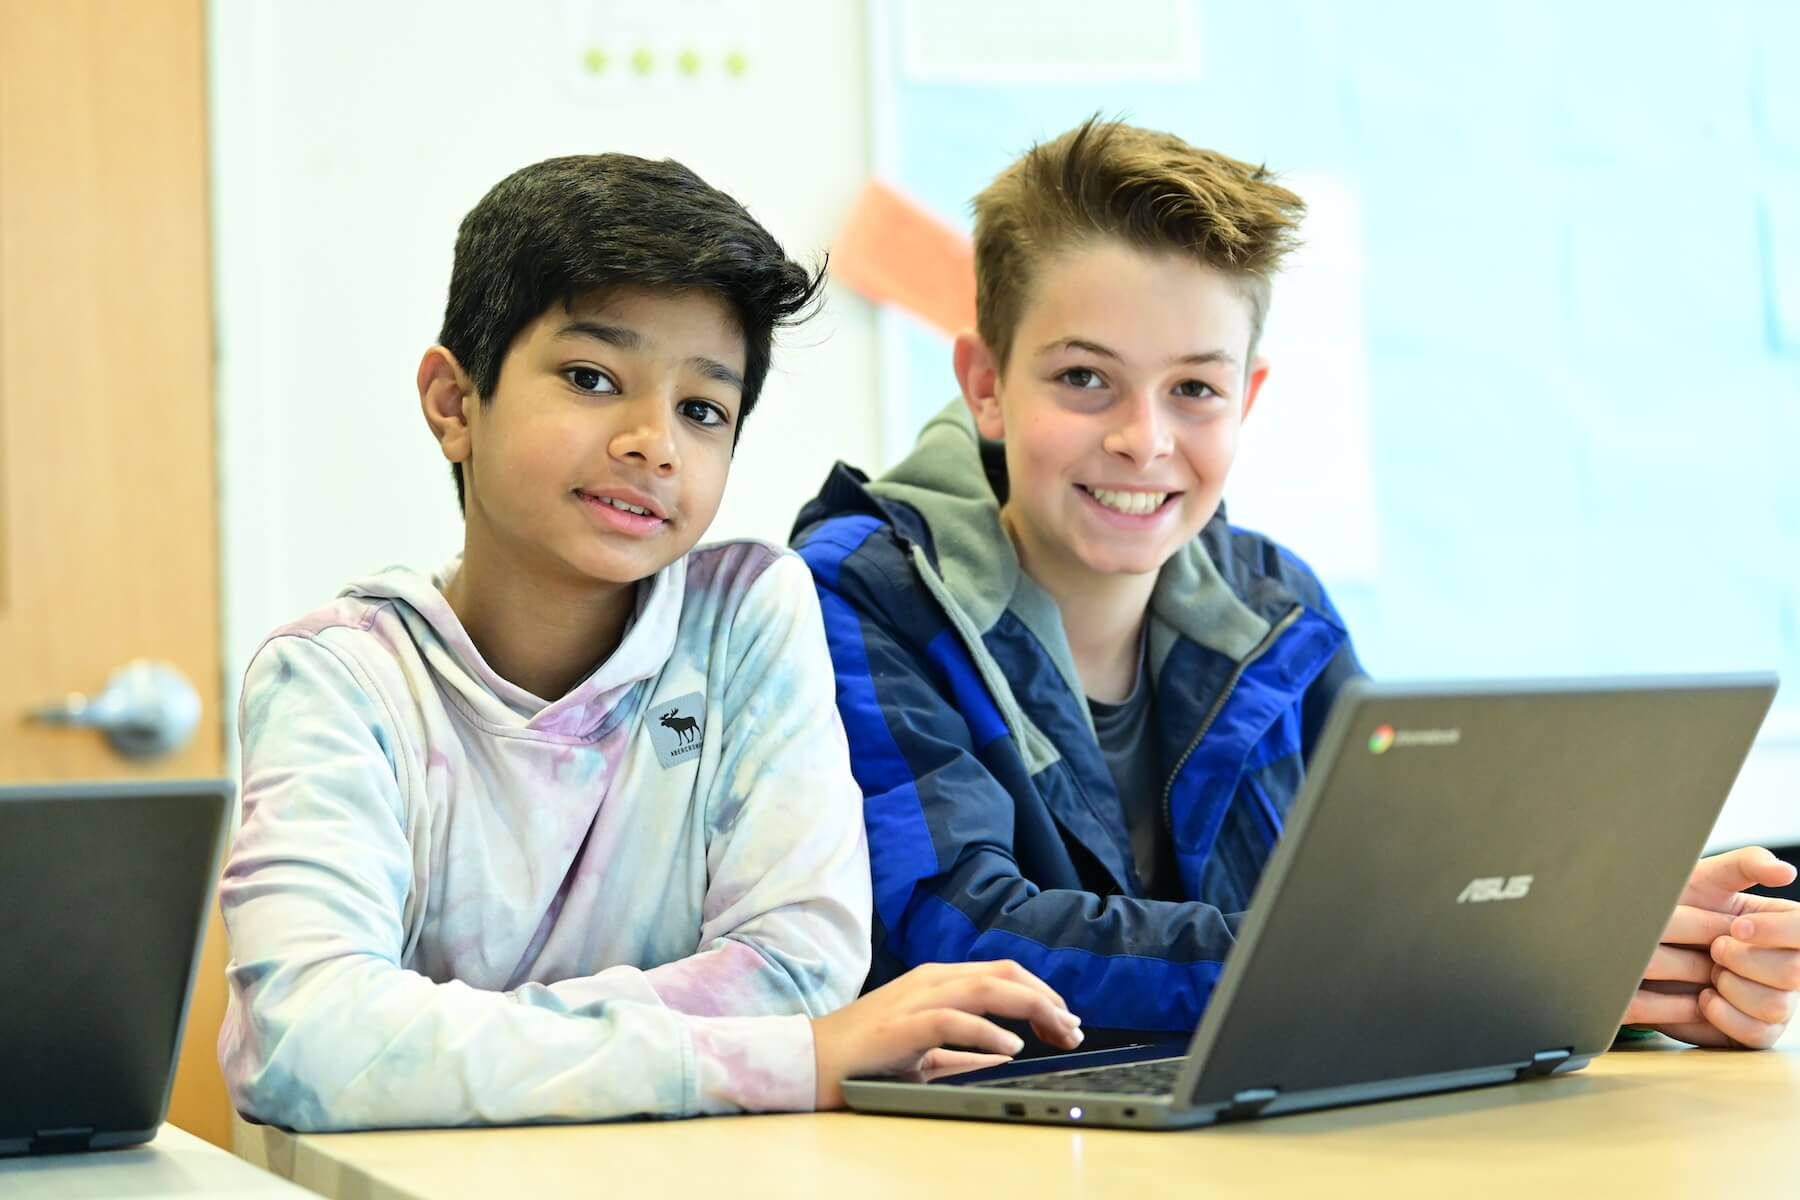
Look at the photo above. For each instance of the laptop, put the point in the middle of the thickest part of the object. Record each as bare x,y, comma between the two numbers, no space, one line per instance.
105,890
1469,889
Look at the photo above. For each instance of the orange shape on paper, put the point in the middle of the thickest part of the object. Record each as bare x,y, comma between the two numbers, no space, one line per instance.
893,251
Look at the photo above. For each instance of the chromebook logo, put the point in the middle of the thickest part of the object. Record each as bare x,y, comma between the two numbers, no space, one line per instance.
1386,737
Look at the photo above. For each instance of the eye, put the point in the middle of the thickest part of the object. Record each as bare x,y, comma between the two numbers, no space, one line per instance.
1083,378
1195,389
704,413
592,380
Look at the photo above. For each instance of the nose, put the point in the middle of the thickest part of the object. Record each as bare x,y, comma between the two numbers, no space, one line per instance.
647,438
1140,430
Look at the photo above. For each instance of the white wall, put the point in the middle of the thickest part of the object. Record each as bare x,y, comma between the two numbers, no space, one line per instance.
1765,805
348,141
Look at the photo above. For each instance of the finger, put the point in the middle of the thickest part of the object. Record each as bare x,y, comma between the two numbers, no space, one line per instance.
1776,968
1007,969
1673,987
1002,987
1678,963
1003,997
940,1063
1740,1027
1662,1008
1696,1033
1748,904
953,1027
1691,926
1067,1035
1720,875
1778,930
1772,1006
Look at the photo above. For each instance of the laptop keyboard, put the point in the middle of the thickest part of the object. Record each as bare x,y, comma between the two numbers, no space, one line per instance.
1154,1078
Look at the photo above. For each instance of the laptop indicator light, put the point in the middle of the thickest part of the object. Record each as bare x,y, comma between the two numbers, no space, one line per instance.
1075,1113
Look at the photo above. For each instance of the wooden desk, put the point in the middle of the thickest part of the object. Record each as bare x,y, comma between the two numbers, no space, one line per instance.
176,1163
1656,1121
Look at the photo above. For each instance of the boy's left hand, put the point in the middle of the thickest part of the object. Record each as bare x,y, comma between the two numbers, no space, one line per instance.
1728,970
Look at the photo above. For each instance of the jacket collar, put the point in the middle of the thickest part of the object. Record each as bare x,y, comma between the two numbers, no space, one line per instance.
950,480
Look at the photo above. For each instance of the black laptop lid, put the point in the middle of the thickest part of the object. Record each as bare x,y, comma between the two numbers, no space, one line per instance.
105,890
1473,874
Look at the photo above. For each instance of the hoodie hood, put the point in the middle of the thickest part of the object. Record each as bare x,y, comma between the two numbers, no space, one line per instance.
582,714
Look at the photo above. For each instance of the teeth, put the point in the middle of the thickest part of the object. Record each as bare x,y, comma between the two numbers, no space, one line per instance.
620,504
1136,504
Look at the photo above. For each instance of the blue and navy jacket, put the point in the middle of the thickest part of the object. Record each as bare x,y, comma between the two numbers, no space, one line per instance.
995,828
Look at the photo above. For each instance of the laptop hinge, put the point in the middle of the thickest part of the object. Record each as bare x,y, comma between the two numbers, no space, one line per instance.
1248,1103
61,1141
1545,1061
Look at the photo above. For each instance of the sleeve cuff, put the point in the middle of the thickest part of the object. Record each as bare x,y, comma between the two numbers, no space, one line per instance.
754,1064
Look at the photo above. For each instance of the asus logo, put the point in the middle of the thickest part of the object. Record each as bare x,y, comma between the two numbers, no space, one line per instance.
1481,891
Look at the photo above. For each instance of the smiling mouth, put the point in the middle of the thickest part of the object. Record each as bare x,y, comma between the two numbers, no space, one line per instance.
621,505
623,514
1131,504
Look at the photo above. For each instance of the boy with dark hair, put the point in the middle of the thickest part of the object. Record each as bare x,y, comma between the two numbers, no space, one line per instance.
567,831
1079,702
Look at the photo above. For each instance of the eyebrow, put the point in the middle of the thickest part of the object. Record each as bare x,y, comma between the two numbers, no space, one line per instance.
1198,360
717,371
625,338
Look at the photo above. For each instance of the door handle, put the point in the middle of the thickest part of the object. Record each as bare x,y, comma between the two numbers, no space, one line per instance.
147,709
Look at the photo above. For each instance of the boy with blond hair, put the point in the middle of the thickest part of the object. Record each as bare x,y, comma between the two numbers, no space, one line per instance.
1080,702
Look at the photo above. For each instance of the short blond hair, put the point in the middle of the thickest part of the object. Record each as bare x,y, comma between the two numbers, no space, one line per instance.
1151,190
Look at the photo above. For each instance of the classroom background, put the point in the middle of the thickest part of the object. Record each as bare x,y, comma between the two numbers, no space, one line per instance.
1536,399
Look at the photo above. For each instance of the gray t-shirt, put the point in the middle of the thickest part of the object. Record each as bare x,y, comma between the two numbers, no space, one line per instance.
1126,739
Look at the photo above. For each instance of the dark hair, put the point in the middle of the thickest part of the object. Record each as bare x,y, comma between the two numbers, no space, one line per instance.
565,227
1107,179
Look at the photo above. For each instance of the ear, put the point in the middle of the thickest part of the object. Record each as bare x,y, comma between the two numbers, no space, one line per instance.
979,374
447,396
1253,383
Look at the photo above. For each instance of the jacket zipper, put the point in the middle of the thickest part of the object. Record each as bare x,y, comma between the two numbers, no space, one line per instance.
1212,714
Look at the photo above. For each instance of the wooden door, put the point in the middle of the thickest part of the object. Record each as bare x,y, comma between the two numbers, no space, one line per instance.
108,529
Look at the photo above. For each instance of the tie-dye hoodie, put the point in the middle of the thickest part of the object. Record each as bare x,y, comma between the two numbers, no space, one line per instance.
452,902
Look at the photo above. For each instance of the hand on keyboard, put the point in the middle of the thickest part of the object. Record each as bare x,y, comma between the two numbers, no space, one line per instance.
904,1027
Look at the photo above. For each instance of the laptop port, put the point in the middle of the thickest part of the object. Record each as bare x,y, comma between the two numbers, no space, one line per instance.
1131,1112
1015,1110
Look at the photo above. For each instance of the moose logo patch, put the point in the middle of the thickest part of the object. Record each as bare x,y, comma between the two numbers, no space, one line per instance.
677,728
